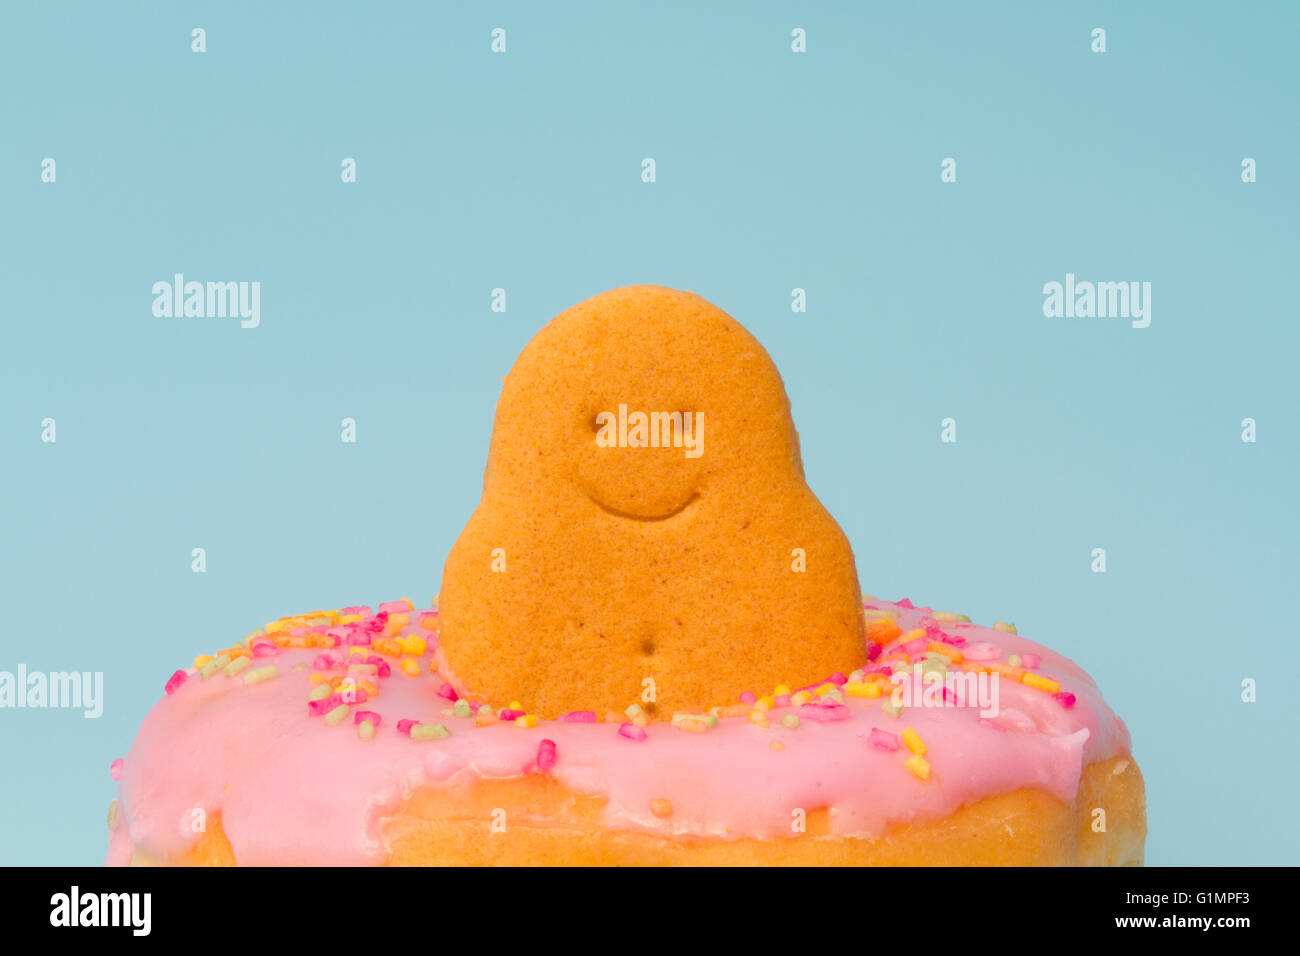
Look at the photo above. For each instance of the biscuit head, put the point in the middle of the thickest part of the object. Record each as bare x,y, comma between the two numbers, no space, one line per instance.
645,534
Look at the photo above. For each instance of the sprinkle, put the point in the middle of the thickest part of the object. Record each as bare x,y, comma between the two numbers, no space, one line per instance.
914,742
213,665
781,691
824,713
1004,627
861,689
758,717
365,730
883,740
942,649
510,713
238,664
692,725
982,652
948,617
484,716
116,767
337,715
874,613
367,716
1030,661
461,709
387,645
410,666
401,604
789,720
631,732
429,620
112,815
546,755
319,692
905,602
748,697
579,717
802,697
892,709
919,766
447,692
527,720
202,659
1065,699
1013,660
1039,682
259,674
429,731
404,726
661,807
776,745
177,678
882,630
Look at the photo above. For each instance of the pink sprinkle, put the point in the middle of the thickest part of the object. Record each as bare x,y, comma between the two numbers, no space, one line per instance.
579,717
375,624
508,714
427,618
447,692
886,669
264,647
953,641
873,651
323,706
869,607
631,731
905,603
1066,699
369,715
357,636
327,661
359,609
396,607
404,726
175,681
546,755
115,768
781,700
838,679
383,667
982,652
824,713
1031,661
883,740
917,646
352,695
748,697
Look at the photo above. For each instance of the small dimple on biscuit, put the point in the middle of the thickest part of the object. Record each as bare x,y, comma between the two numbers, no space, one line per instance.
593,565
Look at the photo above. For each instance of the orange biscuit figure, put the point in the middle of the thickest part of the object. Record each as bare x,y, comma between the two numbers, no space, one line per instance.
646,534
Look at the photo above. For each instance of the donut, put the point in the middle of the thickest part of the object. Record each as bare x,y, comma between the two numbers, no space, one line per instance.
649,647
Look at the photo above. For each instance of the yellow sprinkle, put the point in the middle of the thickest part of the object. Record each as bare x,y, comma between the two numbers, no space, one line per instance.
485,717
112,815
1004,627
1040,682
914,634
661,807
949,617
410,666
757,716
642,719
781,690
913,741
412,644
821,690
527,720
919,766
351,618
202,659
765,703
406,601
864,689
515,705
693,725
777,745
316,678
800,698
872,613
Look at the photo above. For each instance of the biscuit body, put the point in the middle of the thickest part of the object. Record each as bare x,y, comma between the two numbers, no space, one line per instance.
596,562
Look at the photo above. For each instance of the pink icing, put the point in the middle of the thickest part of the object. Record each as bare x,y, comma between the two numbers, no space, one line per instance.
292,789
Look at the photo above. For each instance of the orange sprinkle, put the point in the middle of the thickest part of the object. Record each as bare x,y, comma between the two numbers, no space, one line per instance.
947,650
661,807
882,630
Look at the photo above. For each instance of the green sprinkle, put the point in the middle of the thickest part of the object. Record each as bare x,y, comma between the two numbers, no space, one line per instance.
462,709
856,677
214,665
1004,627
237,665
365,730
112,815
834,695
892,709
948,616
320,692
711,719
632,710
337,715
429,732
255,632
259,674
872,613
790,720
1014,660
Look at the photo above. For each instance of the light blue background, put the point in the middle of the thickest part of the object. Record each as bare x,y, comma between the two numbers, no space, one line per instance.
775,170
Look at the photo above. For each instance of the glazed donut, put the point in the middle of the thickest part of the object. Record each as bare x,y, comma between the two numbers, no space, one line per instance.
638,656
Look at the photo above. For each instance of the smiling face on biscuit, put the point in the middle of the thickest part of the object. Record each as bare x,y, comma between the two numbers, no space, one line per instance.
644,494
